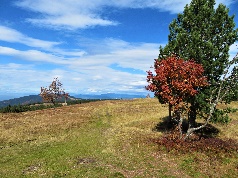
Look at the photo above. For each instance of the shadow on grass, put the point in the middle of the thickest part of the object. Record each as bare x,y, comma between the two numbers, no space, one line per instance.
168,125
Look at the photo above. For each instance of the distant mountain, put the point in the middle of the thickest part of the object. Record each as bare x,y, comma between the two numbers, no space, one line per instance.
31,99
110,96
22,100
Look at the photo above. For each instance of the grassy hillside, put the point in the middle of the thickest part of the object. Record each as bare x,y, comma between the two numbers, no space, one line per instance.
102,139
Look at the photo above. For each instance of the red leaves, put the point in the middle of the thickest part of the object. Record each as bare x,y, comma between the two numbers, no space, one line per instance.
176,79
216,146
54,91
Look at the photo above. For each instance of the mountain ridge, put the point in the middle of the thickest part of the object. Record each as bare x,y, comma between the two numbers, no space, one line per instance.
32,99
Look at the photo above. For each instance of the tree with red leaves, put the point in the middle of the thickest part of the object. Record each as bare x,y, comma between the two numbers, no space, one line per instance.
175,82
53,92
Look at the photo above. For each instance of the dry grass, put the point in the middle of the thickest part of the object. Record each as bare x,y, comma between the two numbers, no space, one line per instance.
100,139
230,130
20,127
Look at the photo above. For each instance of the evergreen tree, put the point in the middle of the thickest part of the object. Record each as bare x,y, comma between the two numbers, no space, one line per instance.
203,33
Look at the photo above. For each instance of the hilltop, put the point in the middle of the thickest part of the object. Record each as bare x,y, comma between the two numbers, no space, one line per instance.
110,138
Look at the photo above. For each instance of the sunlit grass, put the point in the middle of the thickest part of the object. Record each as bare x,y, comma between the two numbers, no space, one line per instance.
100,139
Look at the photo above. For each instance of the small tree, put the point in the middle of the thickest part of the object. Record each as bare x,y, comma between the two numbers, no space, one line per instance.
176,82
53,92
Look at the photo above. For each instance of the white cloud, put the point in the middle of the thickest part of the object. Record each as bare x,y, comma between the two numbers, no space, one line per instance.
84,73
102,53
173,6
68,14
32,55
81,74
233,51
27,79
74,14
71,21
19,78
234,48
13,36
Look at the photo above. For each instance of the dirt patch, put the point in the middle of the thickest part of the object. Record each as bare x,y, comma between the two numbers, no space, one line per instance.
85,161
31,169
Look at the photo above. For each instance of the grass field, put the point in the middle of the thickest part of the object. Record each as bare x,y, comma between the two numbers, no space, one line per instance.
102,139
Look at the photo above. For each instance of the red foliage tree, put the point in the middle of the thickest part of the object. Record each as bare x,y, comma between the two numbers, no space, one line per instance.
176,81
53,92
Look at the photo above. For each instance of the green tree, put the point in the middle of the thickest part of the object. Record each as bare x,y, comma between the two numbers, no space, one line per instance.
203,33
226,87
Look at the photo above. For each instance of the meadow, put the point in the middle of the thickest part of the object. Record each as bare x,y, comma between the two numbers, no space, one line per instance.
109,138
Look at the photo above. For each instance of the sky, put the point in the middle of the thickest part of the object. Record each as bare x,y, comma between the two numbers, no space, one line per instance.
93,46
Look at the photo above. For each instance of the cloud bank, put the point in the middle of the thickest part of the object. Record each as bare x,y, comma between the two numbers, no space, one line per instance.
98,69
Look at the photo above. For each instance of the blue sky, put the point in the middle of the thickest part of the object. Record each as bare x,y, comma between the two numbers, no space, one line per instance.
93,46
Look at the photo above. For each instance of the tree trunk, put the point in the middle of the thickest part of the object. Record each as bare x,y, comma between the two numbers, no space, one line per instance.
180,123
53,101
212,108
170,112
192,114
191,130
65,101
169,121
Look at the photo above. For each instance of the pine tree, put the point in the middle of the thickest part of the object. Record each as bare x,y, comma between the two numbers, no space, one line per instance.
203,33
